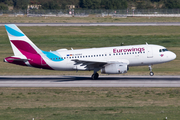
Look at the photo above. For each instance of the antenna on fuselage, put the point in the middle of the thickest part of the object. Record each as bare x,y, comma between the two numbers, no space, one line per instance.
146,43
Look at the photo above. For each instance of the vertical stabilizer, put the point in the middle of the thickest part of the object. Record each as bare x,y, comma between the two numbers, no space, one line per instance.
20,43
26,53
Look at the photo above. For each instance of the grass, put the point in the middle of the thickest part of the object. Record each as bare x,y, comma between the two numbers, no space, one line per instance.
89,103
53,38
90,19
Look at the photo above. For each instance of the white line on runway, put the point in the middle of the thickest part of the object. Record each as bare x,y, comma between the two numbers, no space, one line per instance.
84,81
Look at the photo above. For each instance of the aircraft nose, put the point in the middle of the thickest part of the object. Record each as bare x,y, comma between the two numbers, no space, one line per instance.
173,56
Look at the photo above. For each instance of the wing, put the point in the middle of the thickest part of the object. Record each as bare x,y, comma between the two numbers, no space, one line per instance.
95,65
89,64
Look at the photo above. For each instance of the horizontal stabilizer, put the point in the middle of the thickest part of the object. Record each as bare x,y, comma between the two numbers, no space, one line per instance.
19,59
13,58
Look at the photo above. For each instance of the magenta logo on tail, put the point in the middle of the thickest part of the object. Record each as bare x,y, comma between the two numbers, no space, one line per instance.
31,54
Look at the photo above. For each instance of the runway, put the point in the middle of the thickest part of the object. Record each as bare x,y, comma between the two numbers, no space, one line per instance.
85,81
98,24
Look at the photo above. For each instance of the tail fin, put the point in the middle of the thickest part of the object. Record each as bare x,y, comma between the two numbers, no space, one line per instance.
25,51
20,43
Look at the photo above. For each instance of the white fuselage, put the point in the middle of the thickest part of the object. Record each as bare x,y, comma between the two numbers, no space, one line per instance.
134,55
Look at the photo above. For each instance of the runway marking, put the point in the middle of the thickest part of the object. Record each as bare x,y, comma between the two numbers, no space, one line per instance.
85,81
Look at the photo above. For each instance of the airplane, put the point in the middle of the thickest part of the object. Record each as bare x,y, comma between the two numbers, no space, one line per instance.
110,60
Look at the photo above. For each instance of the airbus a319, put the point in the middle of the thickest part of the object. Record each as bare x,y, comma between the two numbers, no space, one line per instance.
110,60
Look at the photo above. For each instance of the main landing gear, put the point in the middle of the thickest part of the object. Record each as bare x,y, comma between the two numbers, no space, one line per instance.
151,73
95,76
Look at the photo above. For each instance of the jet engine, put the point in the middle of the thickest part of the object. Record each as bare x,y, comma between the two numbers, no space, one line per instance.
115,68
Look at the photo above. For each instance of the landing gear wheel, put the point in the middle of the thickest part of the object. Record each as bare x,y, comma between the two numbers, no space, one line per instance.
151,73
95,76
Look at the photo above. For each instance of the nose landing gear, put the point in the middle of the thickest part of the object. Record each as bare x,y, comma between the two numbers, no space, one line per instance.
151,73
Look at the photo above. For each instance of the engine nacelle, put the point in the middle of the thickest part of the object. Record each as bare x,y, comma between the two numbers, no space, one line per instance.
115,68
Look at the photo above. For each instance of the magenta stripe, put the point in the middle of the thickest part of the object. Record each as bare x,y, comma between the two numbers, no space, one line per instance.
24,46
35,59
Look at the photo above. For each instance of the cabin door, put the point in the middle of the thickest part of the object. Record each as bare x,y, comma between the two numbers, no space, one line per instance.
149,52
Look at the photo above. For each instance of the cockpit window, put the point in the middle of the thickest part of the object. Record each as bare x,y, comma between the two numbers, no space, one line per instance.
163,50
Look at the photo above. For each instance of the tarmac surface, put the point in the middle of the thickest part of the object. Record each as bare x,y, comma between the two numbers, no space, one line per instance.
86,81
98,24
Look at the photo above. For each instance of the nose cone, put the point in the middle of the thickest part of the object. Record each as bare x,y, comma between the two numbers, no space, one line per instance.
169,56
173,56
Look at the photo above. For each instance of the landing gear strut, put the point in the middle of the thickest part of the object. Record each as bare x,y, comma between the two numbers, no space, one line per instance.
151,73
95,76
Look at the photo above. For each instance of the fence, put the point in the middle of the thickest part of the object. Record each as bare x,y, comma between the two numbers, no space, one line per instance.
98,13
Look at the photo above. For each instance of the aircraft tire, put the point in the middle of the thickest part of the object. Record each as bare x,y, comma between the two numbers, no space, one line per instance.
95,76
151,73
